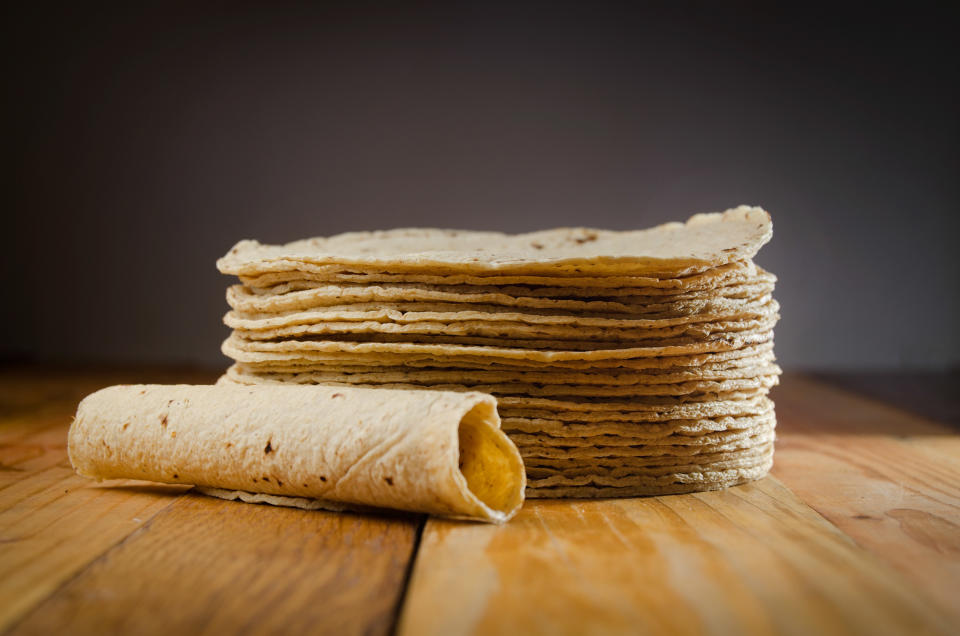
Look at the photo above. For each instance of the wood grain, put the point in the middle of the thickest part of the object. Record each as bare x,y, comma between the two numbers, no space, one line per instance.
97,557
752,559
889,479
52,522
55,523
210,566
858,532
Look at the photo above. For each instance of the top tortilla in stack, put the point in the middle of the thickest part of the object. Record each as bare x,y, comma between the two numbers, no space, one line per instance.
625,363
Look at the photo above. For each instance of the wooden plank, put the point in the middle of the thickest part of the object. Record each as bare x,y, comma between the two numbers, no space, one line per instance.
888,479
55,523
751,559
30,446
211,566
258,567
52,522
36,408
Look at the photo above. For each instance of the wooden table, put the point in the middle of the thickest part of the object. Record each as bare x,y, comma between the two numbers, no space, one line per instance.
856,531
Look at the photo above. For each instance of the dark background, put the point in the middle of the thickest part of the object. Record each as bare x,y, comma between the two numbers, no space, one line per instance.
145,141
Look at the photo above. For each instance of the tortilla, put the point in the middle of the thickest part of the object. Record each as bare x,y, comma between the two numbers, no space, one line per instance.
537,390
735,280
714,443
589,433
703,242
682,484
305,295
564,413
280,273
621,466
243,350
692,405
374,375
649,484
654,466
596,349
381,359
452,313
548,336
425,451
624,363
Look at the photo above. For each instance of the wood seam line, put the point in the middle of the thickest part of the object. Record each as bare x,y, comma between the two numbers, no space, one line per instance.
101,557
407,575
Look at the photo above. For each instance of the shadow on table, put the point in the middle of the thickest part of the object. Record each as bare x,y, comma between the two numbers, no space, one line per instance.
935,395
174,491
896,405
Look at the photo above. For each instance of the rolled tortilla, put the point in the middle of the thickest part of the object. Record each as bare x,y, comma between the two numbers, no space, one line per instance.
426,451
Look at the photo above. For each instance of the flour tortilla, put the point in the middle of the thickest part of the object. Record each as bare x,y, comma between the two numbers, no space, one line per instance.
760,365
419,360
407,312
426,451
622,466
243,350
730,273
654,345
555,413
303,503
590,433
305,295
712,443
693,405
287,286
604,486
703,242
681,485
768,378
670,444
735,280
743,367
496,338
550,336
653,466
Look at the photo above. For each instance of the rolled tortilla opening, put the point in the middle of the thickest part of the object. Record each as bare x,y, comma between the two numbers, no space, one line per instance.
437,452
490,463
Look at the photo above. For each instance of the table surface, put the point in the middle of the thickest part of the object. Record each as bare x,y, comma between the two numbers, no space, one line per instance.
857,530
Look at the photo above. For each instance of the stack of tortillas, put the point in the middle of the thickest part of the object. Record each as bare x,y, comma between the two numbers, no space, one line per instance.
624,363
